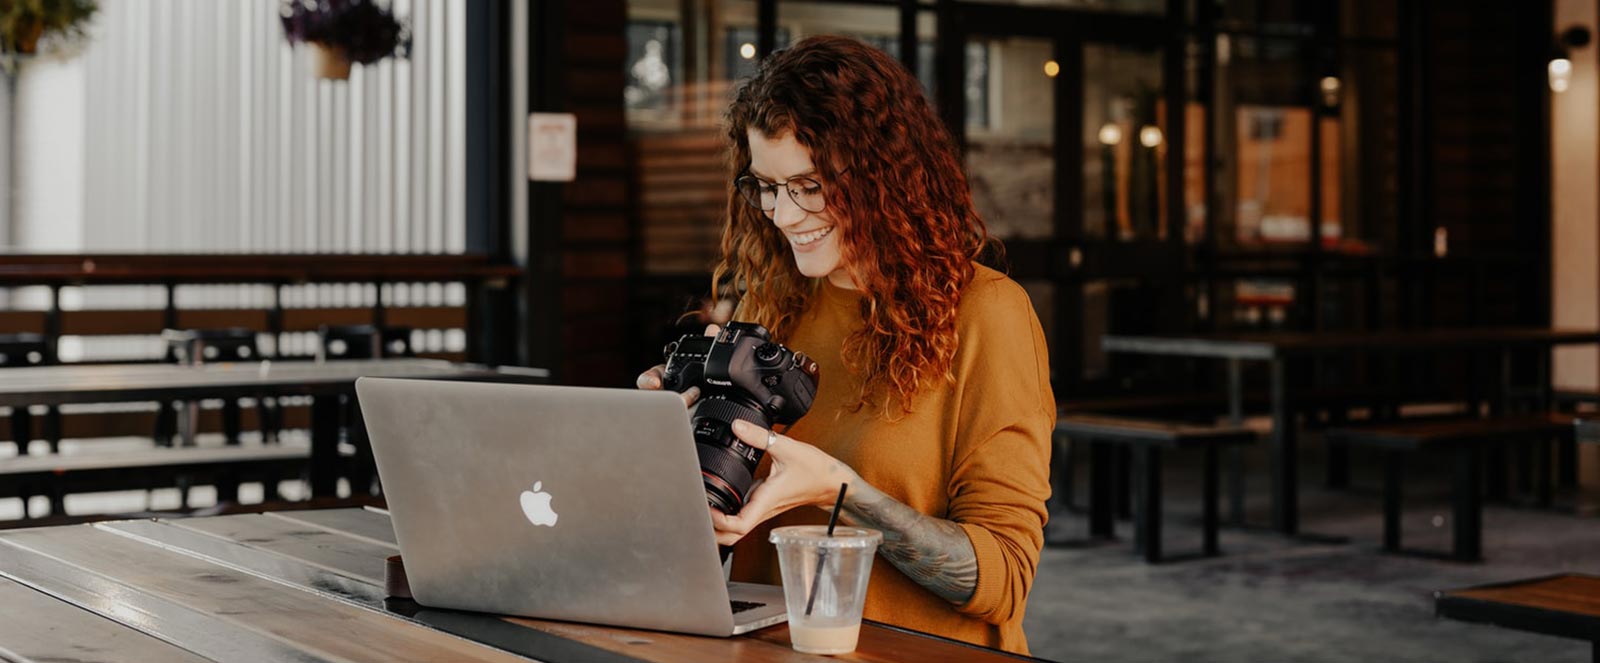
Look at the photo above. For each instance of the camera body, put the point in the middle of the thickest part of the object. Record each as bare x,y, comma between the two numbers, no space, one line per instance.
741,374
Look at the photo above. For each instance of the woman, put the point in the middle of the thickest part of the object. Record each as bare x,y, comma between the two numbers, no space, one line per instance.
852,237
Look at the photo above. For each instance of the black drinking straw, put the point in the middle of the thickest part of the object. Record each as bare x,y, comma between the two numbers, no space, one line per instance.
823,557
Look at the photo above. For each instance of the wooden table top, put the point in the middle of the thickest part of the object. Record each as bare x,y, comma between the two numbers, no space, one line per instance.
1271,345
1566,605
308,586
105,383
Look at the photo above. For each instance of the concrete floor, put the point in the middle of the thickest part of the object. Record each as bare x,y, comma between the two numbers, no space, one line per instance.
1271,599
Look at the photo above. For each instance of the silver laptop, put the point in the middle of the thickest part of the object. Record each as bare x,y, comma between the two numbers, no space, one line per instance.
563,503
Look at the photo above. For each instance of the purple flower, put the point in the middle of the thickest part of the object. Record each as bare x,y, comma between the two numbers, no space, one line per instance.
365,32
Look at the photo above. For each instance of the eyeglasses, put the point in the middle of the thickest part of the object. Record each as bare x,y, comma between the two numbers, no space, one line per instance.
806,193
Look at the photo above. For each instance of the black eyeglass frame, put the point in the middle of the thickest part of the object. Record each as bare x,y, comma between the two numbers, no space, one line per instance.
793,197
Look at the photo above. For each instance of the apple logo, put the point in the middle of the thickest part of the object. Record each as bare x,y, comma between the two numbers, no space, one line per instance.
536,506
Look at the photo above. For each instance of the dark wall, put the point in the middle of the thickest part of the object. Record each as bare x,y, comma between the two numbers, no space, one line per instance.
1485,132
580,235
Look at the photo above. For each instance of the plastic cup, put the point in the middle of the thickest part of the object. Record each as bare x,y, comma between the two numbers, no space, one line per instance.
825,584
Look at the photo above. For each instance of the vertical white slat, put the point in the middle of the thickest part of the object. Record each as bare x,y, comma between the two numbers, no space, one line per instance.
383,229
137,164
454,224
283,183
324,165
421,47
338,149
357,129
310,158
437,91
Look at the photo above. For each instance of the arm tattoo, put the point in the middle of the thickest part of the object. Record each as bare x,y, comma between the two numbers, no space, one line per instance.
933,552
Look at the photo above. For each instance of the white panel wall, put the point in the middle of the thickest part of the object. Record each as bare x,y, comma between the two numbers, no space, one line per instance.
203,131
192,126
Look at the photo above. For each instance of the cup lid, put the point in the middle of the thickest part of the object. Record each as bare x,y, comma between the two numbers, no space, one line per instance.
817,535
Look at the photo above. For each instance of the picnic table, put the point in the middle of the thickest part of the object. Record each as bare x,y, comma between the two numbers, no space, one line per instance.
309,586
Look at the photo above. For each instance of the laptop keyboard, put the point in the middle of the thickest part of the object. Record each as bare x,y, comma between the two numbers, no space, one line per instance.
741,606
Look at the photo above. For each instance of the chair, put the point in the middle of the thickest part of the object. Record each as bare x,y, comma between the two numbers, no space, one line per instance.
336,342
350,342
1146,439
1465,440
194,347
29,350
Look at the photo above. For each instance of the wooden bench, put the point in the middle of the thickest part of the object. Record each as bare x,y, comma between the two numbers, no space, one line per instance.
1464,439
1147,439
60,475
1566,605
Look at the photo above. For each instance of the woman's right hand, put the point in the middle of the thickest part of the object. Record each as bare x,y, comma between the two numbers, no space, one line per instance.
651,379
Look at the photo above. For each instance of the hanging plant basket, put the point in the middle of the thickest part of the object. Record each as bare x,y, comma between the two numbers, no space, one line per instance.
330,62
344,32
28,40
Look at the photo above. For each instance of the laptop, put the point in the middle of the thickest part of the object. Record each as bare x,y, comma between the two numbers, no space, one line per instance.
567,503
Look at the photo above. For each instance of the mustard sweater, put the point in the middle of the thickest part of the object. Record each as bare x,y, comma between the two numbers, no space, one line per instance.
975,452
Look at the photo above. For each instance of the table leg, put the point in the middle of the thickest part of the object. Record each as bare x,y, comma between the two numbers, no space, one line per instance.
21,428
364,467
1101,522
325,445
1468,504
1236,453
1208,517
1147,525
1285,460
1393,485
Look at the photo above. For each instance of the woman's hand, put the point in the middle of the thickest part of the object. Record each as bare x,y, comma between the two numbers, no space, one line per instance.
802,475
651,379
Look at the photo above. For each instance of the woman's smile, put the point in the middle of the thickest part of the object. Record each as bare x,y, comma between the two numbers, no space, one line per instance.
807,241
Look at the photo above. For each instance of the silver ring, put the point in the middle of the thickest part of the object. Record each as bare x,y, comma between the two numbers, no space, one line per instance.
772,438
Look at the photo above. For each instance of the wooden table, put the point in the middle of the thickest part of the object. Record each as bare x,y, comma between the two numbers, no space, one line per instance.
1566,605
323,381
308,586
1280,349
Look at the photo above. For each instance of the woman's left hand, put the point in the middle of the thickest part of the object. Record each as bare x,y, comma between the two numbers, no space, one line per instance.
802,475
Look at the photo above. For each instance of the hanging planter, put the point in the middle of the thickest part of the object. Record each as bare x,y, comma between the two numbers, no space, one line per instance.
32,27
342,32
330,62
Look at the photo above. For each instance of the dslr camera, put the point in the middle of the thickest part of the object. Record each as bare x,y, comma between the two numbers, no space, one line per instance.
741,374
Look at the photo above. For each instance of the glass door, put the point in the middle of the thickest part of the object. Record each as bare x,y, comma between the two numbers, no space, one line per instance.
1068,138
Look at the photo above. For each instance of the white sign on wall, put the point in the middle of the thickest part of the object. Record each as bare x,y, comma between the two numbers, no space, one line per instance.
552,147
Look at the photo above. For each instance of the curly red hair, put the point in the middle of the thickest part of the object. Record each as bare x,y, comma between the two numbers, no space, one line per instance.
896,191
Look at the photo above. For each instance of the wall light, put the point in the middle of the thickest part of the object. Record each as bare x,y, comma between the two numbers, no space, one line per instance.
1051,68
1110,134
747,51
1330,91
1560,67
1150,136
1560,74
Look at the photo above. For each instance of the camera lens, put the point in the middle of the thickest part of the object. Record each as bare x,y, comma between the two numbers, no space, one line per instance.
727,464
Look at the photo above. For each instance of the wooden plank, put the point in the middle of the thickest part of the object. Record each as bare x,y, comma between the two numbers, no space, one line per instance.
367,524
128,579
22,321
159,617
61,464
348,555
487,629
39,628
80,425
1578,595
876,643
116,322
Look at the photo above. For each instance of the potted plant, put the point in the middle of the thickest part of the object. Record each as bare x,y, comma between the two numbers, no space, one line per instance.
344,31
24,24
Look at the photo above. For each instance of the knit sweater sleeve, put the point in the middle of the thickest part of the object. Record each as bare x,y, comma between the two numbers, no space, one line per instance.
999,478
